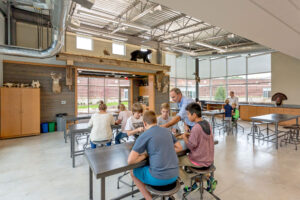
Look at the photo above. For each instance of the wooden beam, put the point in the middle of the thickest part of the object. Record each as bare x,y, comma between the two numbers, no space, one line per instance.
151,88
112,62
70,62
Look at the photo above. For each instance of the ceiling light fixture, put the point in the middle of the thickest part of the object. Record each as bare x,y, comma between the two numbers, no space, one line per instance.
210,46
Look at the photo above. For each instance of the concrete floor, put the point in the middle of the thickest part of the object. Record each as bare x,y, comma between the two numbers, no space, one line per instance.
39,168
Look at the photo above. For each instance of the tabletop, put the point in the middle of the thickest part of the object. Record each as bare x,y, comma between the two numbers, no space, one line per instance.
113,159
84,126
275,118
213,112
110,160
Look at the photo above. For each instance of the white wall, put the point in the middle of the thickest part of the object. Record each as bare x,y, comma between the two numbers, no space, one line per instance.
286,77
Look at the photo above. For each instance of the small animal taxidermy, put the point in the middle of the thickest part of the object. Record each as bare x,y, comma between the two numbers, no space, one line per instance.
105,52
35,84
9,85
138,54
56,88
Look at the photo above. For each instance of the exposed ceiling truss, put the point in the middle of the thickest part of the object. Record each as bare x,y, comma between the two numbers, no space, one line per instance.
150,22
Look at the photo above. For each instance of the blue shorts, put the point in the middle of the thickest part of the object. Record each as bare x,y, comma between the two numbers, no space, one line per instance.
143,174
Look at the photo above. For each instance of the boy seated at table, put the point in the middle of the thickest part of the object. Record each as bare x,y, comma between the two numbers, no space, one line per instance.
124,115
134,124
101,126
200,142
161,147
165,118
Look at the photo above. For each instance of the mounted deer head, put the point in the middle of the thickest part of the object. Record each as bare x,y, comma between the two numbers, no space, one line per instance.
56,88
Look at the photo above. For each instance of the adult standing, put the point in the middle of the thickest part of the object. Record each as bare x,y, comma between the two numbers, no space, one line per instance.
182,102
233,99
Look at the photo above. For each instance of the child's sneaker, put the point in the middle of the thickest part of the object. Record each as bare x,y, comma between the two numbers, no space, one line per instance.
188,189
211,184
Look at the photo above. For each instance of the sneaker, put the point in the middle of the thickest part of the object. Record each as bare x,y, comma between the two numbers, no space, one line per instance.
211,184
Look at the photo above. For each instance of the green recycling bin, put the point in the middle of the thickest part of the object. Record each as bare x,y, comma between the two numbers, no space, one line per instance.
51,126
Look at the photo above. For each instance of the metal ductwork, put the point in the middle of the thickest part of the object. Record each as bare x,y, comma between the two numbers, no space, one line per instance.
60,10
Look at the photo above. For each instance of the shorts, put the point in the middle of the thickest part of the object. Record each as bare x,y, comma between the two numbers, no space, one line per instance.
143,174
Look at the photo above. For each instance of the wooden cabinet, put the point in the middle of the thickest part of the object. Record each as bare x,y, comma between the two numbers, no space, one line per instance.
143,91
20,112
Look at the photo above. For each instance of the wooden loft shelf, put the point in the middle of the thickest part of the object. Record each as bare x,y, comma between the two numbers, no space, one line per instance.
71,58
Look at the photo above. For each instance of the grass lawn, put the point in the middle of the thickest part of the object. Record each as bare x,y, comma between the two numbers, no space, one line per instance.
96,105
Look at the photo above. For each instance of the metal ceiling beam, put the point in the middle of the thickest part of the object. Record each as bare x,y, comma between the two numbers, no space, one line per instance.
135,3
180,29
190,32
164,22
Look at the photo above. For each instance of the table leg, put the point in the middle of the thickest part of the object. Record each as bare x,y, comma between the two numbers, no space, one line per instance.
71,143
91,183
102,188
276,132
297,129
65,130
73,149
253,137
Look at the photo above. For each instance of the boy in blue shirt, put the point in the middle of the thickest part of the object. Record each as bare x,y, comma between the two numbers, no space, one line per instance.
161,147
228,114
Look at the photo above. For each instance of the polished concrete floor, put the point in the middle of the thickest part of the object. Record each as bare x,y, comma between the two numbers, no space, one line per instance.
39,168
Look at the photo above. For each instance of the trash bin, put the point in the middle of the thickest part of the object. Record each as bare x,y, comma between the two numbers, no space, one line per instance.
44,127
60,121
51,126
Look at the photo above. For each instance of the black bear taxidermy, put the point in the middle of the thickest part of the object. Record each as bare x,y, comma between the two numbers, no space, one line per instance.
138,54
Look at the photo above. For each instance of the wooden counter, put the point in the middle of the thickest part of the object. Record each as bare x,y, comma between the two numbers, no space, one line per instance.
247,111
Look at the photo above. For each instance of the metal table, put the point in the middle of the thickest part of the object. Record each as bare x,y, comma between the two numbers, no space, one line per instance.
77,129
73,119
275,119
108,161
213,113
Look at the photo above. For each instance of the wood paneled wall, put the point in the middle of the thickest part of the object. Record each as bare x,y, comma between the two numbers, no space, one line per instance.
50,102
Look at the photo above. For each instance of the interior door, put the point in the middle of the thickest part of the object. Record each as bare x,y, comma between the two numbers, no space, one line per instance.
124,96
30,111
10,112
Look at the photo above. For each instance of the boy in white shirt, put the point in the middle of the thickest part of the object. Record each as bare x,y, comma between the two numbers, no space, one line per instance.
122,119
101,126
134,124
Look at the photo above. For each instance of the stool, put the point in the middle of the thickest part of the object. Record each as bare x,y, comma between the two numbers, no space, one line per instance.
164,191
101,143
125,183
200,177
236,125
292,136
255,129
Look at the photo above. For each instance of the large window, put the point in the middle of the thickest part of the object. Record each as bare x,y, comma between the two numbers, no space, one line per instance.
84,43
118,49
90,91
182,74
249,77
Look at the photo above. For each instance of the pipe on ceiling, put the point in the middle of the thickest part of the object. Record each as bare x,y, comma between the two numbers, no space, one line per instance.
60,10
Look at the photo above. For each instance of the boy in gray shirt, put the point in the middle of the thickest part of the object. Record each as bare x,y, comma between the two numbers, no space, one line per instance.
161,147
165,118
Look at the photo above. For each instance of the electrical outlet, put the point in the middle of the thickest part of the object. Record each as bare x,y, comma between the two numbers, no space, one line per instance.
63,102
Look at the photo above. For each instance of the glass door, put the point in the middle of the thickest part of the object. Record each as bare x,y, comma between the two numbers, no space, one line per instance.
124,96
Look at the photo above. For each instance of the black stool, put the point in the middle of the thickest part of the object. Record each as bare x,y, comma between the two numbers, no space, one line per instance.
199,176
164,191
